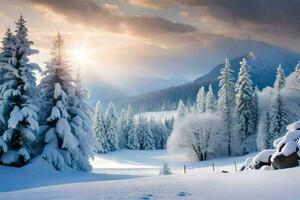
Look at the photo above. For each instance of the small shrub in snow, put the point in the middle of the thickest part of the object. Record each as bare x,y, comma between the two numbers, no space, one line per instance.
165,170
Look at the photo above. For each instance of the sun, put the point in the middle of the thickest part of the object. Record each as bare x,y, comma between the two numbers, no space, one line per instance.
79,55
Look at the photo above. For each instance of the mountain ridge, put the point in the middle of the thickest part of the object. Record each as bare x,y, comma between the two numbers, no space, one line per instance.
263,61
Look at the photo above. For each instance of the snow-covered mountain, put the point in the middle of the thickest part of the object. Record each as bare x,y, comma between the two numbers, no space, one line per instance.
263,59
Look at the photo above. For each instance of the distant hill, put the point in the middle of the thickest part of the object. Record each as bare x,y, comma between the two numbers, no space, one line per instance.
264,60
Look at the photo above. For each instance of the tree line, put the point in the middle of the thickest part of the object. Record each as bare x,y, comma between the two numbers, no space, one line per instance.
241,120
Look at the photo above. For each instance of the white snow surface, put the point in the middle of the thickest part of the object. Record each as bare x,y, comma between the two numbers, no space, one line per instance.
129,175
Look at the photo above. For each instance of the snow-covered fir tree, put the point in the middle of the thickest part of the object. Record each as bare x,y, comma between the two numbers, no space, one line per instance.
81,127
6,54
160,133
122,128
280,79
226,100
297,72
18,98
56,86
165,170
181,109
244,108
255,108
132,139
210,102
200,100
111,129
263,132
99,130
145,135
278,112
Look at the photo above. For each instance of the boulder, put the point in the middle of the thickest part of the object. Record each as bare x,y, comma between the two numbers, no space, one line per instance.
281,161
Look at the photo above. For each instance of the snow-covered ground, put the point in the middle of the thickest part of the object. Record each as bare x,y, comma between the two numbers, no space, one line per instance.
129,174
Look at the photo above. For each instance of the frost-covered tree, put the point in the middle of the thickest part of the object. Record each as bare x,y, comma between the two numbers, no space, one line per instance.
278,112
160,133
181,109
226,100
244,107
18,92
200,100
255,109
263,132
99,130
122,128
132,139
210,101
111,129
145,135
81,127
297,72
200,135
280,79
165,170
6,54
56,86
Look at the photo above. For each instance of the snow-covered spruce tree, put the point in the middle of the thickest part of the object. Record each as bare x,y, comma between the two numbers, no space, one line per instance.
226,100
18,91
200,100
145,135
99,130
56,86
122,126
244,108
297,72
111,129
263,132
210,102
181,109
255,108
6,54
132,139
165,170
160,133
81,127
278,112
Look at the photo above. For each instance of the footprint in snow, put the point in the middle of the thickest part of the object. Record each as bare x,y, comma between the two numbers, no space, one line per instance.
183,194
147,197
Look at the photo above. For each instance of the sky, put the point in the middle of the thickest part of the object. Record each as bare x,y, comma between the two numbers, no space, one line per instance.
165,39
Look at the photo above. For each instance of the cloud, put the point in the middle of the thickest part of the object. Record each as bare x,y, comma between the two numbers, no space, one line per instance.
103,17
261,15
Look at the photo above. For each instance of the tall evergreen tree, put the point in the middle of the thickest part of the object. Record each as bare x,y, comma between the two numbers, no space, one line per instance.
132,139
18,91
111,128
244,106
226,100
278,112
255,108
122,129
181,109
6,54
210,103
200,100
99,130
81,127
297,73
145,135
56,87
